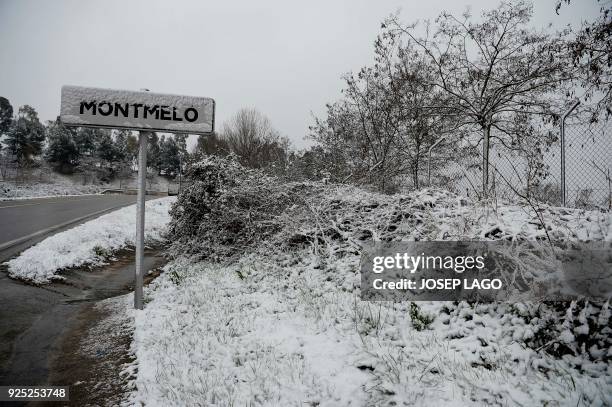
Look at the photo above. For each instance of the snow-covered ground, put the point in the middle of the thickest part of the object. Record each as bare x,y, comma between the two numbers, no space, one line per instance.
91,243
12,190
285,326
53,184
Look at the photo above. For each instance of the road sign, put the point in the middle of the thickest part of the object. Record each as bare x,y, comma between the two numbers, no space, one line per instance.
144,111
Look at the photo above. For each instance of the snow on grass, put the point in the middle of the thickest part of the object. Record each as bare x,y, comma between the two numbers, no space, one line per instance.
90,243
284,325
218,340
288,336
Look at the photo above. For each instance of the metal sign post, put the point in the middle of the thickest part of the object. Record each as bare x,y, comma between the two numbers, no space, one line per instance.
143,139
143,111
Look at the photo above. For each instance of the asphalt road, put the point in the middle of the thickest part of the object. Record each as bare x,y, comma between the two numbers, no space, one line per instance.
36,218
33,320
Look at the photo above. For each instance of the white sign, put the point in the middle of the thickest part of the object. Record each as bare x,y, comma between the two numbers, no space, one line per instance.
145,111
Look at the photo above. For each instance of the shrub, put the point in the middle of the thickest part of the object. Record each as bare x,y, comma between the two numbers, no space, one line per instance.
194,205
420,321
228,208
101,253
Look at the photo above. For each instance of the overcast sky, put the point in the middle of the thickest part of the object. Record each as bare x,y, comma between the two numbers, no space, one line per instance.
283,57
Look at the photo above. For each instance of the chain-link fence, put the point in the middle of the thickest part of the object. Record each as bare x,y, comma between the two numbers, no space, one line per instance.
533,170
588,164
175,187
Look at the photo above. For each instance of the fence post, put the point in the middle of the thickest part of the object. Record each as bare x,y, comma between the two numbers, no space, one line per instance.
563,187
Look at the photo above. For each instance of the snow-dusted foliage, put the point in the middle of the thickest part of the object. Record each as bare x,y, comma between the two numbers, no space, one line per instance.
229,208
280,321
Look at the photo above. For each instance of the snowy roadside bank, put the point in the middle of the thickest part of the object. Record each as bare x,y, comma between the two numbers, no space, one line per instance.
287,336
209,337
25,198
12,191
284,324
91,243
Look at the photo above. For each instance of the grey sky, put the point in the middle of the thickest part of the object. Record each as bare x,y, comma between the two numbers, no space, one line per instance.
283,57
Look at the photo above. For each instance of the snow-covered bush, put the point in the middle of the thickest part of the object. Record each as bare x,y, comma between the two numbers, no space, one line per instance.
335,223
230,211
229,208
283,323
578,332
210,177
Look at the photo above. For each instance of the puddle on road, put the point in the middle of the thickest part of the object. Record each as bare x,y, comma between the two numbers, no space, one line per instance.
32,319
112,280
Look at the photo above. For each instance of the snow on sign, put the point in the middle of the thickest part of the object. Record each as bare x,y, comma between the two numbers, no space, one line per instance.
145,111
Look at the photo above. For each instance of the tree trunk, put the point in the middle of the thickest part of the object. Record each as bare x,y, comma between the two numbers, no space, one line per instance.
382,177
485,161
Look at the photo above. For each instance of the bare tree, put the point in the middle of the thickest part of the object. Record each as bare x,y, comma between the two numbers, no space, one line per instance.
369,126
490,70
590,51
251,136
385,122
375,122
406,78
